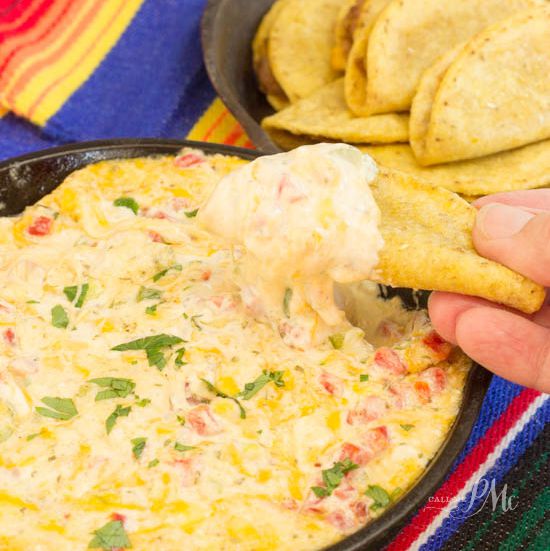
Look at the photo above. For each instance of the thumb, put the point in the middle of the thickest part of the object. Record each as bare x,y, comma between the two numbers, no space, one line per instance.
515,237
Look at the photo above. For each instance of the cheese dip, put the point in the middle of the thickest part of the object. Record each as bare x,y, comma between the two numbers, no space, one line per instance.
145,404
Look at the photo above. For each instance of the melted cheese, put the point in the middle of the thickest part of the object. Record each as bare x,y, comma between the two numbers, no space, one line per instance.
245,483
305,219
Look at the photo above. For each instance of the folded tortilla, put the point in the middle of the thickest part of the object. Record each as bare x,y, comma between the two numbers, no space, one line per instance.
343,32
409,35
428,245
266,80
491,95
527,167
324,116
300,45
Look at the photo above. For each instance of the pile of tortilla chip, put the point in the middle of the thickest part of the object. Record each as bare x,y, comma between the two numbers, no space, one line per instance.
456,94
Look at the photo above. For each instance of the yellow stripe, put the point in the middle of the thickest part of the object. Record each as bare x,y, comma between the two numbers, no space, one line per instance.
203,131
57,95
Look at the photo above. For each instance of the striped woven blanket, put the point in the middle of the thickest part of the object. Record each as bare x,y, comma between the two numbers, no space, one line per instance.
73,70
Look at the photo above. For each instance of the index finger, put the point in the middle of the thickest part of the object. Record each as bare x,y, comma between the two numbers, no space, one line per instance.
538,199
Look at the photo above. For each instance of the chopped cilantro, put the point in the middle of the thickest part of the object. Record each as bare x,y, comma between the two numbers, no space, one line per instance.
61,408
147,293
119,412
151,310
74,290
162,273
333,477
153,347
286,302
32,436
251,389
380,497
221,394
142,402
179,357
195,322
337,341
60,319
115,388
127,202
138,445
181,419
182,447
192,213
153,463
407,427
111,536
363,378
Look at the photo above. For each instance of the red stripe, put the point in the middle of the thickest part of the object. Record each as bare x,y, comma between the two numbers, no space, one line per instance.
215,125
22,17
486,445
249,144
234,135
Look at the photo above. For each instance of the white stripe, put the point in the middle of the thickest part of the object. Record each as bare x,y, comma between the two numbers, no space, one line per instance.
482,469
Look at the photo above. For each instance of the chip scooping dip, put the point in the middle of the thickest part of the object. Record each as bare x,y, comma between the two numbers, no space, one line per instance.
409,35
307,219
491,95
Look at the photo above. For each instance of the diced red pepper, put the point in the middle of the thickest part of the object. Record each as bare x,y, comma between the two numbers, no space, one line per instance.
441,347
202,421
389,360
9,336
188,160
206,275
331,383
156,237
41,226
371,408
423,391
118,516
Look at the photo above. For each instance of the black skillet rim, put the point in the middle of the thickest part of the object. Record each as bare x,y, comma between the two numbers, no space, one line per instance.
381,530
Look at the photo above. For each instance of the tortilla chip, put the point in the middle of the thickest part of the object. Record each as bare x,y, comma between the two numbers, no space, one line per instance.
428,245
409,35
325,115
341,47
356,67
494,95
287,141
527,167
300,45
260,53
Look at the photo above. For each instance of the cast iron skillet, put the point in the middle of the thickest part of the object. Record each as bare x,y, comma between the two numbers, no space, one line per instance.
24,180
228,28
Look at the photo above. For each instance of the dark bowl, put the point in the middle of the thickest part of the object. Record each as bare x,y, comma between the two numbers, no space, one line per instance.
25,180
228,28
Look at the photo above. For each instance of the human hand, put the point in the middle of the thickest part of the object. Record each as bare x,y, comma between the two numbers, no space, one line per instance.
513,229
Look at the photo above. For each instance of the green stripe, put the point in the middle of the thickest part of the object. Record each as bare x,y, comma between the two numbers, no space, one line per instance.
499,511
527,522
541,542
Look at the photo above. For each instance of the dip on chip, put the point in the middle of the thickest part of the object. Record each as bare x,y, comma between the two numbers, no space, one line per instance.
298,49
491,95
526,167
409,35
325,114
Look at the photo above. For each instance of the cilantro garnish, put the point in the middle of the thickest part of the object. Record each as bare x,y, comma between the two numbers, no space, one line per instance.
151,310
380,497
142,402
111,536
192,213
337,341
179,357
152,463
138,445
407,427
286,302
363,378
221,394
115,388
153,347
119,412
61,408
182,447
333,477
60,319
147,293
75,291
162,273
181,419
251,389
127,202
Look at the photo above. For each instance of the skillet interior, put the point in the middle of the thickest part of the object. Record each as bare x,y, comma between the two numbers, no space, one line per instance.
24,180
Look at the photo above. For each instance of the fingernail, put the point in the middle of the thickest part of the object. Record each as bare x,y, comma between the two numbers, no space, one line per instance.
497,221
